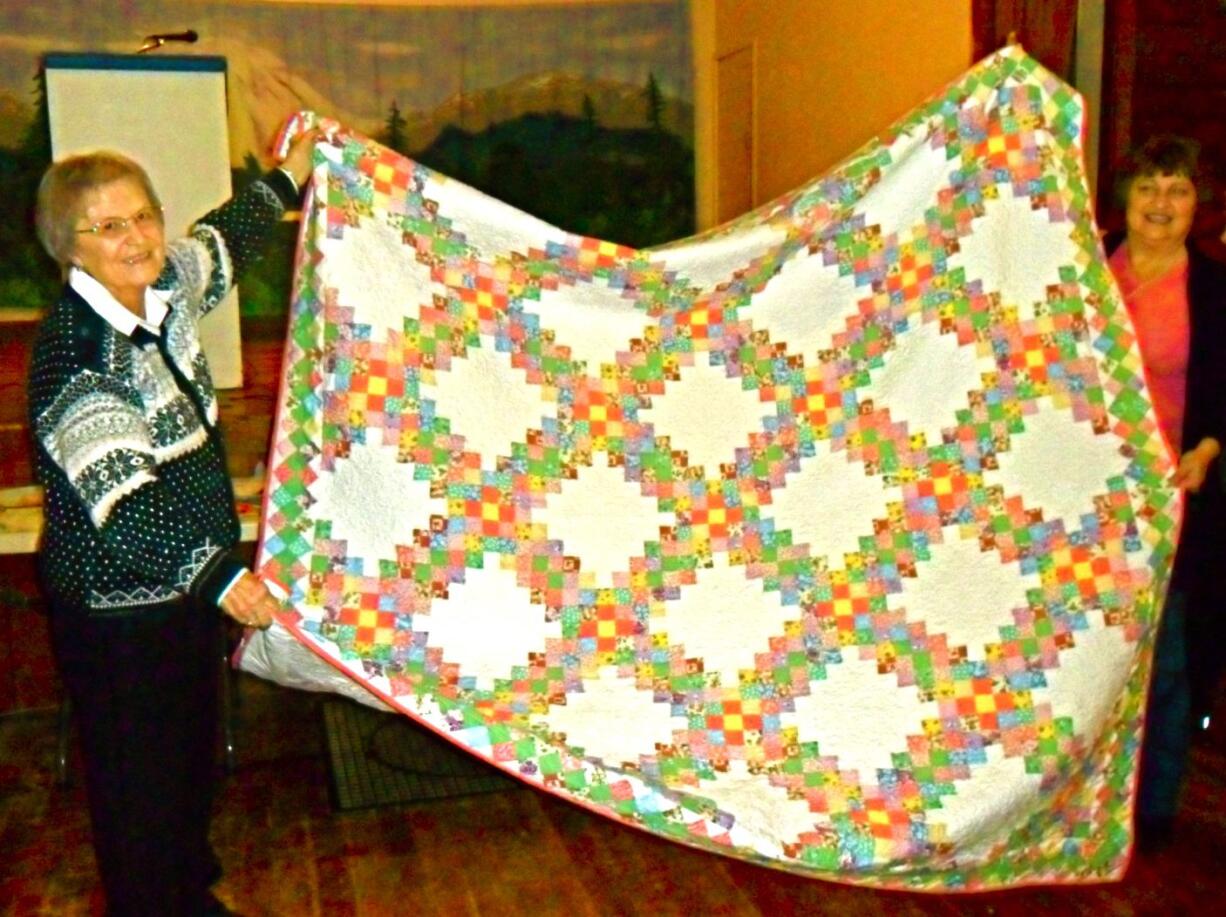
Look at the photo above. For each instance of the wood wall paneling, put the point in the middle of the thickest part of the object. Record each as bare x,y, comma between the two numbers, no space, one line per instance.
736,157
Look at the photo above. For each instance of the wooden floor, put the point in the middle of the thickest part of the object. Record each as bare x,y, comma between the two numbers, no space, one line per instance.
286,853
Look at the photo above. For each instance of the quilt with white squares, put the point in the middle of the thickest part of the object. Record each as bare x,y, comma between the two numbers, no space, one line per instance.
831,539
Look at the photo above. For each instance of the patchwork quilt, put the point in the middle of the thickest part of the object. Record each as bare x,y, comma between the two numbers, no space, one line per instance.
831,539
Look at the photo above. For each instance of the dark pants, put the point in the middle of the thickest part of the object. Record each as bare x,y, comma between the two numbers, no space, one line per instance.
1168,718
144,692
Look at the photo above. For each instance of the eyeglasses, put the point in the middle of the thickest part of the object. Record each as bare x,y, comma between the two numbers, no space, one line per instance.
113,228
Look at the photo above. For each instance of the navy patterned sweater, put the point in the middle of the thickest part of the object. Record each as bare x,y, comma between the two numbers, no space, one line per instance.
137,499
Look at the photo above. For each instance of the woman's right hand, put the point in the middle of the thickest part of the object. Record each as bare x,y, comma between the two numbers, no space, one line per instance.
1194,465
249,602
298,159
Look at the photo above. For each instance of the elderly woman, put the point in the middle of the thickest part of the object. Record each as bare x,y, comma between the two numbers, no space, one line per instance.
1176,298
140,520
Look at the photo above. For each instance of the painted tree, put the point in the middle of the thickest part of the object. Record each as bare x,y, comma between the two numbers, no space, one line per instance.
28,278
655,103
393,130
589,114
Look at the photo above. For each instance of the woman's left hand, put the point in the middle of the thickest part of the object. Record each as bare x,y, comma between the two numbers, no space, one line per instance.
1194,465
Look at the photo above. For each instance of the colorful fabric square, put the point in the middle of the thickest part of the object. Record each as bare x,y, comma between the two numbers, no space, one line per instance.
832,539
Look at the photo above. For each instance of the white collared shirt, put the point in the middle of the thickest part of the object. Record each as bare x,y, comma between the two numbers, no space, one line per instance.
111,310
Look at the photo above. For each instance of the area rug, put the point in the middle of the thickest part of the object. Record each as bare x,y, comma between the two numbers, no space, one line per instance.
378,759
831,539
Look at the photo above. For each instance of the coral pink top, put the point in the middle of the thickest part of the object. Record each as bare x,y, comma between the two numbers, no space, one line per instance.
1159,311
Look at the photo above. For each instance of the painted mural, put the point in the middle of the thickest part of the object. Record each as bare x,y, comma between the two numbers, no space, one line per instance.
581,114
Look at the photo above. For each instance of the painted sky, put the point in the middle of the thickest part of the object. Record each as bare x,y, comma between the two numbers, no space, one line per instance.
362,57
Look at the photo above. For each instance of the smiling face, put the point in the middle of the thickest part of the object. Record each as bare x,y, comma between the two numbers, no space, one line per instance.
1160,209
128,264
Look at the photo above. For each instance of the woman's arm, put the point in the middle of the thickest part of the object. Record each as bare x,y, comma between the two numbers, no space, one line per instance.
95,433
225,241
1205,422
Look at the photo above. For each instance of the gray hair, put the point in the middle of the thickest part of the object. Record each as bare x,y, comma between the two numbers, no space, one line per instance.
64,188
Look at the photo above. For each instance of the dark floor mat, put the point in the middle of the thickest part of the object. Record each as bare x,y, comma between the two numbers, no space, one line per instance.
384,759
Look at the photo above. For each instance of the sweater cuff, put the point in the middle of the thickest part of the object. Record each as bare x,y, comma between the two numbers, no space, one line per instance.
217,578
225,590
284,186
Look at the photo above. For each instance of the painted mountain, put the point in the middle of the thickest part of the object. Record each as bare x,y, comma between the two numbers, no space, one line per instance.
596,157
263,91
593,156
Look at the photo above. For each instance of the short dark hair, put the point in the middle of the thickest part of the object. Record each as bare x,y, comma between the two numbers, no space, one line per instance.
1164,154
62,192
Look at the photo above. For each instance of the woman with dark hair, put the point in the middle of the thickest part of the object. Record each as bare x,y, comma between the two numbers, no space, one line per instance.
1176,298
140,520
